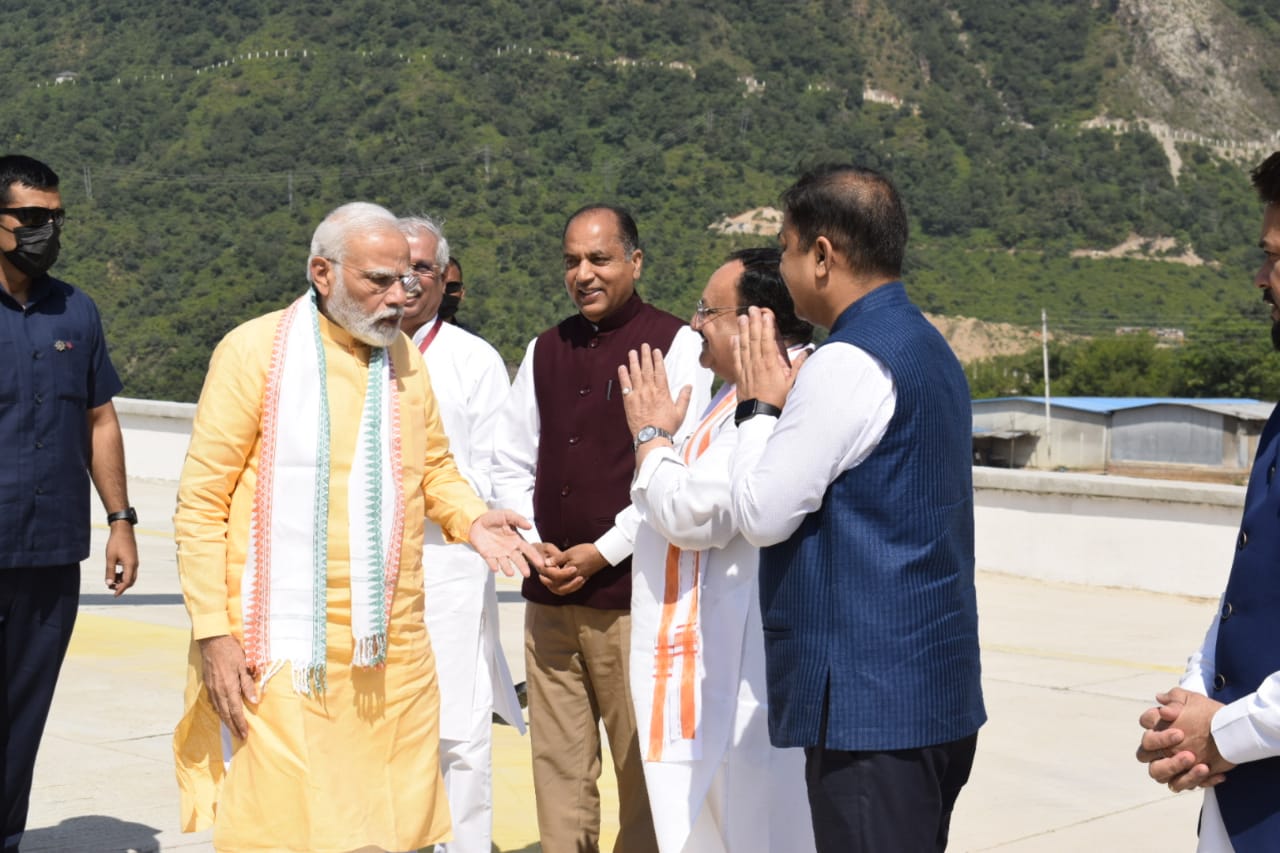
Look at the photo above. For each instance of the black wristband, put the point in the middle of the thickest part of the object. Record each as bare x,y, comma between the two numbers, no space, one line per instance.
128,514
748,409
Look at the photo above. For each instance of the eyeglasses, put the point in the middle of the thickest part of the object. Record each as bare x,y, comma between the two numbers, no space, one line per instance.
704,314
34,217
452,287
384,280
426,269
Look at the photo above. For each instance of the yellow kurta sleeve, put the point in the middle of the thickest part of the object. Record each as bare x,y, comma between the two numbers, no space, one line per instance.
224,437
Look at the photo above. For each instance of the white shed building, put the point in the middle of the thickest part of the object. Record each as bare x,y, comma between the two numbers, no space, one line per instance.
1114,432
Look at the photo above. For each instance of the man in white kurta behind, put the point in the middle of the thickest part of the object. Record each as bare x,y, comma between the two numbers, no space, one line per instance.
470,384
715,783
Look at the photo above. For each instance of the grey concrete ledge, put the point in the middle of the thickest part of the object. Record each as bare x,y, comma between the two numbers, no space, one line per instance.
155,408
1107,486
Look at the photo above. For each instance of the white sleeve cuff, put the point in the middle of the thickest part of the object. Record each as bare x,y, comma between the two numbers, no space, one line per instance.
614,546
1194,682
761,425
652,462
1241,730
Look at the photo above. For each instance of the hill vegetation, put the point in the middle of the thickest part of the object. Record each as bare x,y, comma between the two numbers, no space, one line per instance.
200,143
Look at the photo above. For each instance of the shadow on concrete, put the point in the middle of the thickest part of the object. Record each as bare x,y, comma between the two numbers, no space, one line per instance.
97,833
103,599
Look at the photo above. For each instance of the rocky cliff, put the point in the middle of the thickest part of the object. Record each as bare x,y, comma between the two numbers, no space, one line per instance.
1193,65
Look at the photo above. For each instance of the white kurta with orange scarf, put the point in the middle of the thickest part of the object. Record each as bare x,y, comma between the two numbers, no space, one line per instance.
697,660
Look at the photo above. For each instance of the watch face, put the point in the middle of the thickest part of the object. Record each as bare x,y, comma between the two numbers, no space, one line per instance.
648,434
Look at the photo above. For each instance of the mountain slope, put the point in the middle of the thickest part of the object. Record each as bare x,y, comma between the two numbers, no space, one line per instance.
200,143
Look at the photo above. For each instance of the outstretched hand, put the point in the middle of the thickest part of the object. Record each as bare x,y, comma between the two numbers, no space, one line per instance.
496,536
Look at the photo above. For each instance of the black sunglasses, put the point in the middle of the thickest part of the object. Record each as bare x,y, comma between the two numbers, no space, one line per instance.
34,217
452,287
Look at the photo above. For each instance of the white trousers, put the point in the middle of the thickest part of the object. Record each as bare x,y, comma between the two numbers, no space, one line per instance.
467,767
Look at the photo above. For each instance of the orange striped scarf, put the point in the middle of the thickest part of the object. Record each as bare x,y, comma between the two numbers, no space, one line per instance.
679,640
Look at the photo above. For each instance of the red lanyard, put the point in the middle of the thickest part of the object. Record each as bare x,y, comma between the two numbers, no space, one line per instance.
431,335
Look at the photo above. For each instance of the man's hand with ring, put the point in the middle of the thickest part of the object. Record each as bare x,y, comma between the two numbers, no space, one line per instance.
645,374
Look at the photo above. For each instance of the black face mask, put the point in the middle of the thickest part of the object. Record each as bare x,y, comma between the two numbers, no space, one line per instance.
449,305
37,249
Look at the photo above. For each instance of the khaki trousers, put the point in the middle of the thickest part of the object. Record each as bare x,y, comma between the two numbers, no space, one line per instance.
577,669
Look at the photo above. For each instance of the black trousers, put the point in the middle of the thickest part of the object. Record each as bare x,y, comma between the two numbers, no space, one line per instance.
898,800
37,613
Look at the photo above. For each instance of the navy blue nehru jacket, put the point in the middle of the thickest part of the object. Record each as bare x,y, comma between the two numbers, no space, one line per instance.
53,368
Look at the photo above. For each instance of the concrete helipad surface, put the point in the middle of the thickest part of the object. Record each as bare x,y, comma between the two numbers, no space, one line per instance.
1067,670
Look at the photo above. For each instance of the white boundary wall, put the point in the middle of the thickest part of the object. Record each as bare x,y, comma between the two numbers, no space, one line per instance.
156,435
1158,535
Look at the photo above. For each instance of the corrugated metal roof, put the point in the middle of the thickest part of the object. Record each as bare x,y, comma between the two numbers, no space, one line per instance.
1246,408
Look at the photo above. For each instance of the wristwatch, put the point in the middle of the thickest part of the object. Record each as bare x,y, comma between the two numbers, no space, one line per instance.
748,409
649,433
128,514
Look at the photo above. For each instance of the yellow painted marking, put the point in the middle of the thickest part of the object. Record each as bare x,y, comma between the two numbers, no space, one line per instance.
136,650
97,635
139,648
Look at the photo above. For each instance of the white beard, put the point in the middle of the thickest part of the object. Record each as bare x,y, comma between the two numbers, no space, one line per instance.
374,329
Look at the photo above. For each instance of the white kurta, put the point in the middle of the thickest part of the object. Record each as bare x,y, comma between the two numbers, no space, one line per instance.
737,792
470,383
785,465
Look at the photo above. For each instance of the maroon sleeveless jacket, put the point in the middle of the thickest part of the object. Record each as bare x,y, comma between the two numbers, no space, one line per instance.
585,459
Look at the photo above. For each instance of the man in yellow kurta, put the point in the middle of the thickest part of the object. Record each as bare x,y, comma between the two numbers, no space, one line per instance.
311,707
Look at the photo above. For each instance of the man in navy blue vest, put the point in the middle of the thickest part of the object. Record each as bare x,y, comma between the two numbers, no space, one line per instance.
853,474
1223,721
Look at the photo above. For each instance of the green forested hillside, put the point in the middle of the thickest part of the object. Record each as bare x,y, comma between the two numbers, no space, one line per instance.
199,143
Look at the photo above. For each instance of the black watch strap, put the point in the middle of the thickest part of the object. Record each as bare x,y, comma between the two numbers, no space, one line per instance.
128,514
748,409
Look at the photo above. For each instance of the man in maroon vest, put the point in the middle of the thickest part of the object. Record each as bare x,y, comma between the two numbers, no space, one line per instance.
564,454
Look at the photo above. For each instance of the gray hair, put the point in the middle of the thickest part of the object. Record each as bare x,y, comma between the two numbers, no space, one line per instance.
330,238
411,225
